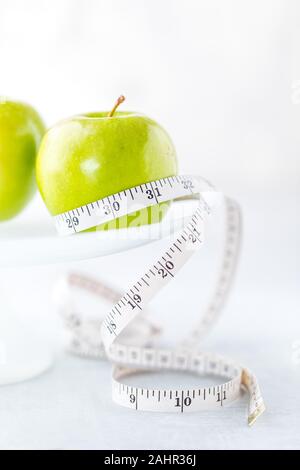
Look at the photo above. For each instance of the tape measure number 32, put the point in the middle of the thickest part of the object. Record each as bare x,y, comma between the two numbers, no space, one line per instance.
130,359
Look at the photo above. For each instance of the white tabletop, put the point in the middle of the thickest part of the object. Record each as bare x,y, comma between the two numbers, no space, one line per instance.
70,407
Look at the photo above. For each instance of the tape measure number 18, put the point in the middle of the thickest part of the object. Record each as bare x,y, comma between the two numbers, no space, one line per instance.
130,359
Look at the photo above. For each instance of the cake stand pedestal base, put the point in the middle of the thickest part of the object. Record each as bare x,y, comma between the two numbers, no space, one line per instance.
23,355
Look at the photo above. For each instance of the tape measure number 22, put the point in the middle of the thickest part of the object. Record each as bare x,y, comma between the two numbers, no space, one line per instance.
129,359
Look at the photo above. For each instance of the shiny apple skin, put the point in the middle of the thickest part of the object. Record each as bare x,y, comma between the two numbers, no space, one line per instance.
21,131
91,156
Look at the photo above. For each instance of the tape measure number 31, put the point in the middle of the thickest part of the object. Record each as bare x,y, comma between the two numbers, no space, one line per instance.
132,358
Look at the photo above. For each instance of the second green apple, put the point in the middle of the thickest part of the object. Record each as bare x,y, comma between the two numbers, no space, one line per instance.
91,156
21,131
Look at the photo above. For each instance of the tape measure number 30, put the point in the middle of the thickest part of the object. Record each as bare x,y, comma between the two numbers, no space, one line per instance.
129,359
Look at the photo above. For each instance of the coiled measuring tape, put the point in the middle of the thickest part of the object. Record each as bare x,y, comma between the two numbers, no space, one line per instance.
129,359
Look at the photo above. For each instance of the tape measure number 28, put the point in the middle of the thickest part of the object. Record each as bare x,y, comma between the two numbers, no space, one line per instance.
131,358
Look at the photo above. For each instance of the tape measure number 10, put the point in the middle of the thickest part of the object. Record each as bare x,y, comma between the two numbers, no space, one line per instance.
129,359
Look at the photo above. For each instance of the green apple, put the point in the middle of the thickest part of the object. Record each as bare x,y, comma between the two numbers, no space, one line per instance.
21,131
91,156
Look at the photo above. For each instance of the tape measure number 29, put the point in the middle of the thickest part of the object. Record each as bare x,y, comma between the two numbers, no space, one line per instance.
132,358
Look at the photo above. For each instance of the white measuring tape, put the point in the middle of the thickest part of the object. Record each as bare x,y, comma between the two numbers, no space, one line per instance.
132,358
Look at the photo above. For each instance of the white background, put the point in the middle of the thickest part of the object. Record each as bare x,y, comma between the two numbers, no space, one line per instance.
223,77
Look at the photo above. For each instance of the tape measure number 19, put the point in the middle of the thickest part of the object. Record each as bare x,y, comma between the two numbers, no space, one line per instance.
131,359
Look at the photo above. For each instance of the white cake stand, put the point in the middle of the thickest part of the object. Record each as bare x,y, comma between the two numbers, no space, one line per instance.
31,240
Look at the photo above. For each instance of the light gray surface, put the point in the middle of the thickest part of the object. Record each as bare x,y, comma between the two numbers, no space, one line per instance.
70,406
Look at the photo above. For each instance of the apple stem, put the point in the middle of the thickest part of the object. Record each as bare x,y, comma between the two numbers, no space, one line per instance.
118,102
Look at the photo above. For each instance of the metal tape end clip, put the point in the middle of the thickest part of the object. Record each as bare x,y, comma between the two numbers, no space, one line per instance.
253,417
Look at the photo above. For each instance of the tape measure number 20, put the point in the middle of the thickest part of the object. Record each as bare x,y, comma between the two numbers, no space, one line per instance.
130,358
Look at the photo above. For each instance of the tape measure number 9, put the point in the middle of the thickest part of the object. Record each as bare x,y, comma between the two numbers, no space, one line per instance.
130,359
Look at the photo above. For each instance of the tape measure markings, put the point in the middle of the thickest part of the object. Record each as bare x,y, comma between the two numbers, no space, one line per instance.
186,356
103,210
